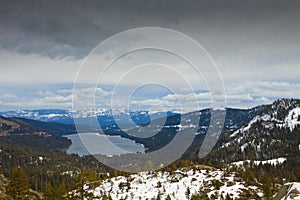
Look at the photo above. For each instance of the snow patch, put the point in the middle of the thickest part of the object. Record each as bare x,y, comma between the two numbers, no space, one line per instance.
292,120
274,162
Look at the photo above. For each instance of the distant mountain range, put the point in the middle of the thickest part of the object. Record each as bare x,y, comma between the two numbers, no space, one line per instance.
57,121
105,117
244,129
61,122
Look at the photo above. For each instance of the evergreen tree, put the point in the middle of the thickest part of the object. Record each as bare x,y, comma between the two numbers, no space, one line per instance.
228,197
84,184
187,193
18,185
195,197
168,197
3,184
158,197
266,181
48,192
53,193
203,195
200,195
249,177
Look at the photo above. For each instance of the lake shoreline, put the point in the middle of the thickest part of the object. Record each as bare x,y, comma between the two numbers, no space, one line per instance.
92,143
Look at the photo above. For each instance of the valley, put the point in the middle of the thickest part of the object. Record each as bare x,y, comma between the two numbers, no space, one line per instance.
257,156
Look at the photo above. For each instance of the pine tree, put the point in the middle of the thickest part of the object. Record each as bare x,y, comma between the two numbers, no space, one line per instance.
195,197
158,197
168,197
228,197
249,177
266,181
18,185
187,192
62,191
3,184
48,192
84,185
201,195
53,193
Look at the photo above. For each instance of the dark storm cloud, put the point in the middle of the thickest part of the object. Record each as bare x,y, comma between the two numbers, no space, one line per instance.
59,29
255,44
70,28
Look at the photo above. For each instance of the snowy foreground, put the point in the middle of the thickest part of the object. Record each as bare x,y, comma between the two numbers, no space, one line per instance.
182,184
179,185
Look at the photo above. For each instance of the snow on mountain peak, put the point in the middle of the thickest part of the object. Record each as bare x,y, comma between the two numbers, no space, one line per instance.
253,121
293,120
271,119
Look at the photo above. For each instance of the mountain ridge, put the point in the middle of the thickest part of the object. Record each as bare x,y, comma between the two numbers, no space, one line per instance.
16,131
257,156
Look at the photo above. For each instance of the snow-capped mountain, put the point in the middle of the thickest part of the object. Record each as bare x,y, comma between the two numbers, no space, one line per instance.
273,133
105,117
46,115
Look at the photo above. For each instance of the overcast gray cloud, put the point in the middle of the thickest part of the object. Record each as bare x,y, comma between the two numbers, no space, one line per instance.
61,29
255,44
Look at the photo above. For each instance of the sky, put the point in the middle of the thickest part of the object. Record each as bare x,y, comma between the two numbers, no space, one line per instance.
46,45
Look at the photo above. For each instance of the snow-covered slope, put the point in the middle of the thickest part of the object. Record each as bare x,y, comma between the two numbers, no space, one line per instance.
283,113
179,185
293,118
273,133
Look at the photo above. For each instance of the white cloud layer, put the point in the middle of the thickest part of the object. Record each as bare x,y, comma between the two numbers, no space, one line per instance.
241,95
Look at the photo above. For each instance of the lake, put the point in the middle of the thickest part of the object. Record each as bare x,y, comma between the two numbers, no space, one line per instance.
94,143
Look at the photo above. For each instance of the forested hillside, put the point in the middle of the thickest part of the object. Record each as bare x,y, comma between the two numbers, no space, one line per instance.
256,157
